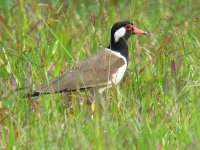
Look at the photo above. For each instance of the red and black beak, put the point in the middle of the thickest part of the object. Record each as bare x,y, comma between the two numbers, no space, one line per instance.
138,31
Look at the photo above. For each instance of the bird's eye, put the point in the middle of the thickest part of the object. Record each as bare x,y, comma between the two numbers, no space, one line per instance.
128,27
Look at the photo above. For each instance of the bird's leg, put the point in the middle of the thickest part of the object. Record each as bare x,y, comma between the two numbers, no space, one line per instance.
97,99
34,103
67,99
89,100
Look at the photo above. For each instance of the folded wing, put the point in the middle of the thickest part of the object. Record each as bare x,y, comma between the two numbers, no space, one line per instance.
95,71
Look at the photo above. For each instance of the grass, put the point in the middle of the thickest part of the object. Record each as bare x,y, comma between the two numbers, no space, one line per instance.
156,106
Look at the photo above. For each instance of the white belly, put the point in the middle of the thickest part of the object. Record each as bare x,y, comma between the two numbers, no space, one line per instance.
116,78
118,75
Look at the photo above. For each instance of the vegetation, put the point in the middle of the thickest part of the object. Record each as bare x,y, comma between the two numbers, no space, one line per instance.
156,106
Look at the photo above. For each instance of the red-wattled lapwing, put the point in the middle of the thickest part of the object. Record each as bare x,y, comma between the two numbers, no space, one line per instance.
102,70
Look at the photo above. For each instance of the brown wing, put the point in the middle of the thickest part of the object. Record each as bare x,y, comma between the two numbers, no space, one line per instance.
94,71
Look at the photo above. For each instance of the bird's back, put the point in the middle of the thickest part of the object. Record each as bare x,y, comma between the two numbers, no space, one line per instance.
95,71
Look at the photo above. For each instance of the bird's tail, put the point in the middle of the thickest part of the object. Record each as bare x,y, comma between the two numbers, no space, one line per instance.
34,94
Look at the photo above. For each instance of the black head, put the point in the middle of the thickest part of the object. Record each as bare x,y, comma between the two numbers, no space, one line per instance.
124,29
120,33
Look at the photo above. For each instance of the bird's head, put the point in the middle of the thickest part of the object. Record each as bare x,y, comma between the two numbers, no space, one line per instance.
124,30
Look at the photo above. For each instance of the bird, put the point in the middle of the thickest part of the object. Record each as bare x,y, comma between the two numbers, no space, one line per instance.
101,70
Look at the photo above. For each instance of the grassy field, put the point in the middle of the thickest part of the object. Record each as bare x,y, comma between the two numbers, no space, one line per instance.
156,106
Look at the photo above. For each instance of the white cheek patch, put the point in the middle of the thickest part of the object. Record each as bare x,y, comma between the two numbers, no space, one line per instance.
119,33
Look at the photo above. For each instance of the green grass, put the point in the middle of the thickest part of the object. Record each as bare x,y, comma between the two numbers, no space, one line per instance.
156,106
